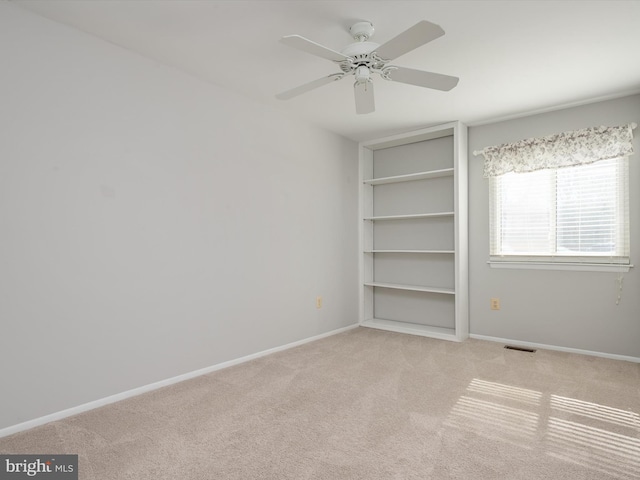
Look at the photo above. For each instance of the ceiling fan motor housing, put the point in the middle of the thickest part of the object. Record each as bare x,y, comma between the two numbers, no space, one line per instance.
359,54
358,49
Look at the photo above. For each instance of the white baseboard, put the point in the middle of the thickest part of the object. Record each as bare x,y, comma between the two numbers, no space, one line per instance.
36,422
542,346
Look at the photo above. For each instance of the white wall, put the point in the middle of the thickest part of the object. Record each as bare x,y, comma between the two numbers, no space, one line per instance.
561,308
152,224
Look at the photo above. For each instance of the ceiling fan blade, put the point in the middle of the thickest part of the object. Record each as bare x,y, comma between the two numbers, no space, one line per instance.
416,36
421,78
294,92
306,45
364,97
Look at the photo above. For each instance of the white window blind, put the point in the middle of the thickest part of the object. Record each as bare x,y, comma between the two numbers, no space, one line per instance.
577,214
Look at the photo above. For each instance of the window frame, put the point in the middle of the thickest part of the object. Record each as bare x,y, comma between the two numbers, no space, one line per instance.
614,263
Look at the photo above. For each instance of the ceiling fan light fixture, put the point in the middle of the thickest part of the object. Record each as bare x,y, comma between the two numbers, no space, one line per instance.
362,75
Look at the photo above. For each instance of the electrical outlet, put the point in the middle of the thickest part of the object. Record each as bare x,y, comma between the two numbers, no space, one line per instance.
318,302
495,304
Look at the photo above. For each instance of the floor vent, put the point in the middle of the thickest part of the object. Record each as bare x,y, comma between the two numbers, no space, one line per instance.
520,349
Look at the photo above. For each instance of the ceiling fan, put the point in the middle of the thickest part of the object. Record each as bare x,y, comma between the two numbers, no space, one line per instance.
364,58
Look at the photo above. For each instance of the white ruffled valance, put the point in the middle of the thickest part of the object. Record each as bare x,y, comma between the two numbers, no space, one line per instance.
561,150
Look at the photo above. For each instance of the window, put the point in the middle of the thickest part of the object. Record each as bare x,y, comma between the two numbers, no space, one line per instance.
561,199
571,215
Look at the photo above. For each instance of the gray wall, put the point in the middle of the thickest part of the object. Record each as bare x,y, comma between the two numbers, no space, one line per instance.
152,224
573,309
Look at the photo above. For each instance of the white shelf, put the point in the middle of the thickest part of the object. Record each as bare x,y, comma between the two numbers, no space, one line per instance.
410,217
413,288
411,328
411,251
437,240
429,133
446,172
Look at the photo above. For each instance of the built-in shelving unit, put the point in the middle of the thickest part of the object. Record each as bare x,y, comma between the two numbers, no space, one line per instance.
414,232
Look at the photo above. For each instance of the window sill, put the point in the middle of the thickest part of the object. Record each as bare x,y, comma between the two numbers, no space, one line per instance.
591,267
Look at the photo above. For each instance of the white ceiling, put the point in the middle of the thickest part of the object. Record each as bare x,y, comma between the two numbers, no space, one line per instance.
512,57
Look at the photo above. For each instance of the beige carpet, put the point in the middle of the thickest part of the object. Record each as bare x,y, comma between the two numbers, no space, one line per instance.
368,404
